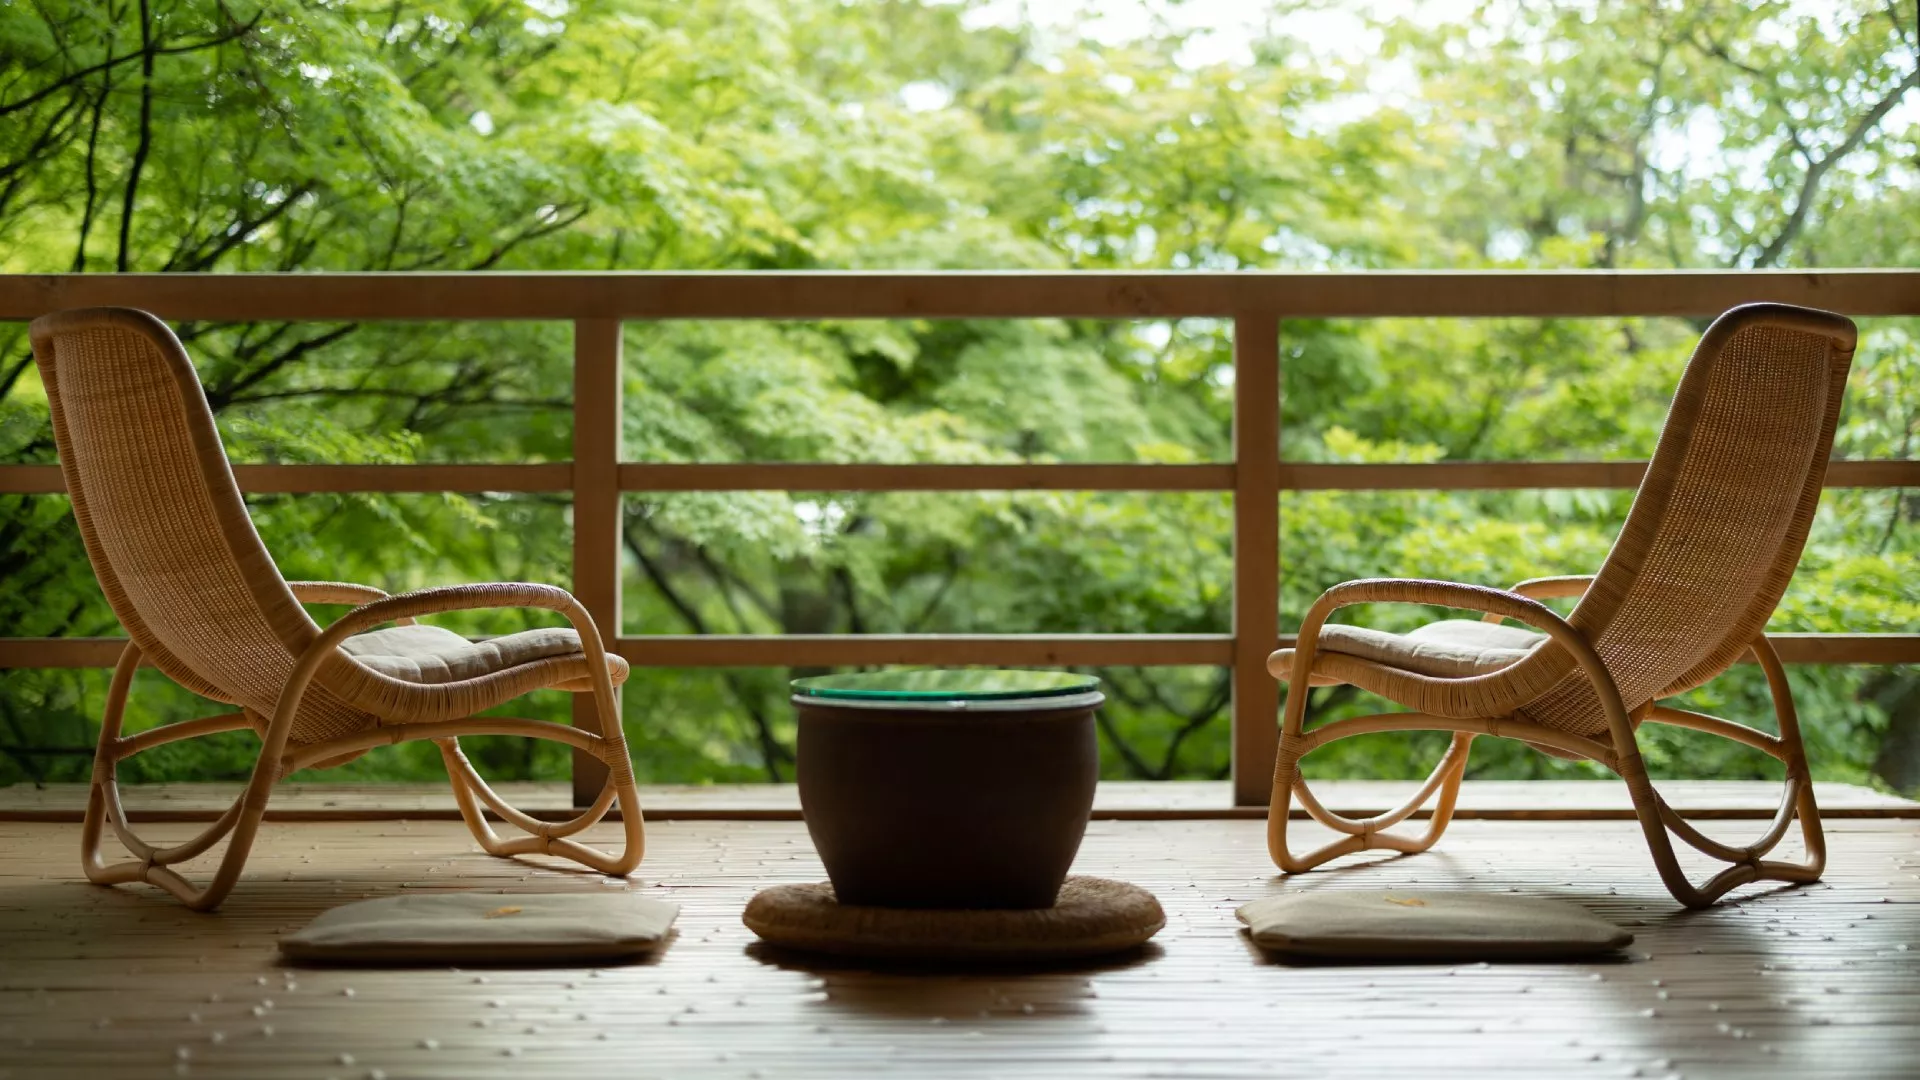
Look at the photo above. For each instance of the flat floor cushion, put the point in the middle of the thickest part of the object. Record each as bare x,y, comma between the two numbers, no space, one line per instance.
434,654
1427,926
485,928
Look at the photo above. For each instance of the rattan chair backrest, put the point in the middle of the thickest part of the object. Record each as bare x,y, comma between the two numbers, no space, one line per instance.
1718,525
158,509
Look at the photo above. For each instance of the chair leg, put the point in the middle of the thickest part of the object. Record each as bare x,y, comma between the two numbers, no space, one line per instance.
470,791
475,796
1363,834
1748,864
151,864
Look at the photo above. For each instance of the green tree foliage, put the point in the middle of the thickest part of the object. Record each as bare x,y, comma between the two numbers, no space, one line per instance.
226,135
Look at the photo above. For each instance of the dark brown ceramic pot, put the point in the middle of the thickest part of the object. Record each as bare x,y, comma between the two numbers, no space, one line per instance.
948,805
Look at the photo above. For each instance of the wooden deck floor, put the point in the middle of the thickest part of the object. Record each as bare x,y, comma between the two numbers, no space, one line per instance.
1820,981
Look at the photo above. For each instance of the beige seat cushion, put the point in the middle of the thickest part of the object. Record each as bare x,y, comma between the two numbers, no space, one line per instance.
1427,926
1400,666
433,654
1446,649
485,928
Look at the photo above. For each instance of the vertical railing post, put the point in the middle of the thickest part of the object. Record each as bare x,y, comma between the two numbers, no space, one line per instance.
1256,551
596,511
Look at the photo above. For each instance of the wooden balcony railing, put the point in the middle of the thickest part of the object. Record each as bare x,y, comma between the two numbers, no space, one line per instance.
1254,302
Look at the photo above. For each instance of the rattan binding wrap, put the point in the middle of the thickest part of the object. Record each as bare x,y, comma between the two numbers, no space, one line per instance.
188,576
1706,552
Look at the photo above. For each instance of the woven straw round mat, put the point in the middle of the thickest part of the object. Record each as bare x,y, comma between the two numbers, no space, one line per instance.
1092,917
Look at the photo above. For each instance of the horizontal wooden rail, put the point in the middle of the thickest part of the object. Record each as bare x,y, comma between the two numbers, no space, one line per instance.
1845,648
310,479
1543,475
807,476
785,476
951,294
77,652
849,650
1063,650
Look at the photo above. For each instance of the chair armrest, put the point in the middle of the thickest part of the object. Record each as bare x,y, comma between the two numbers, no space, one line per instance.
335,592
461,598
1548,588
339,592
1502,602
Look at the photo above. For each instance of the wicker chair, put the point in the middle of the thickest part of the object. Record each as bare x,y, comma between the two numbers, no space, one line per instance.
202,601
1714,534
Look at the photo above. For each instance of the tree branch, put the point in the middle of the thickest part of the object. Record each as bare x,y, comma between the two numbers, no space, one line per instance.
36,152
531,232
146,55
771,752
238,232
954,564
221,395
1206,714
724,581
13,373
145,144
15,172
856,624
93,186
687,612
1817,171
1135,763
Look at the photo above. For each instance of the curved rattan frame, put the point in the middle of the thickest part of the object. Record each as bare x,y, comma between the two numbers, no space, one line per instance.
308,675
154,865
1508,701
1620,753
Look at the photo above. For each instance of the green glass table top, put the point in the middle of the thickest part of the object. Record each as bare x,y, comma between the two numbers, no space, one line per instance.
983,685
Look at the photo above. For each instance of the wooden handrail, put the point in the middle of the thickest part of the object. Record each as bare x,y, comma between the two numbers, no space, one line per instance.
1255,303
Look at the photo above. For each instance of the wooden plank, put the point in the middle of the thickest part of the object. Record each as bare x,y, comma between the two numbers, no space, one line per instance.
502,477
308,479
842,650
91,652
1543,475
1872,474
762,294
777,650
1784,983
1845,648
597,379
808,476
1256,552
1123,800
1461,475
